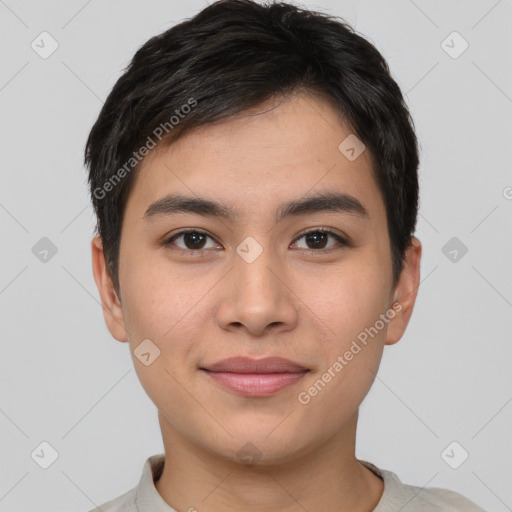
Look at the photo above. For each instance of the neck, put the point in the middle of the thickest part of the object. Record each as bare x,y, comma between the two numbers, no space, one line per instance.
326,477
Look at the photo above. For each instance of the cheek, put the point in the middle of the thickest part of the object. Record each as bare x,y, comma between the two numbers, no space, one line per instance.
158,300
345,301
160,307
169,308
347,309
350,355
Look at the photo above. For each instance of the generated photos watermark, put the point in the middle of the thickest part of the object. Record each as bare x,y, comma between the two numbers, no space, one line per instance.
143,151
304,397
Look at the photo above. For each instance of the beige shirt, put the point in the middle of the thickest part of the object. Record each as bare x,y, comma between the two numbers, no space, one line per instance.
396,496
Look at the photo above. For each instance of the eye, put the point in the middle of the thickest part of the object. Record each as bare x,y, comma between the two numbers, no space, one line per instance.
318,239
193,239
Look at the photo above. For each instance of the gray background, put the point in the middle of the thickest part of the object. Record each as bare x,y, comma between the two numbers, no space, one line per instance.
64,380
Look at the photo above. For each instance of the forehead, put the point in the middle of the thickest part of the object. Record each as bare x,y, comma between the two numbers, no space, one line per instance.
275,152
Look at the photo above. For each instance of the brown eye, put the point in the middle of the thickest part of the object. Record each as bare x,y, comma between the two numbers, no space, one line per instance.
317,240
193,240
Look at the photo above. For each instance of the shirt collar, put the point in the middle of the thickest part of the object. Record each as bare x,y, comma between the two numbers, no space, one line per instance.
148,499
393,493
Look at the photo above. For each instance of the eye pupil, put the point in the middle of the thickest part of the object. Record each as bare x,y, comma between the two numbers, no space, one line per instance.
197,239
315,238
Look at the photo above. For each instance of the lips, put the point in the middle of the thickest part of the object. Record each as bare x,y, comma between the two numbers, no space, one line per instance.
255,377
248,365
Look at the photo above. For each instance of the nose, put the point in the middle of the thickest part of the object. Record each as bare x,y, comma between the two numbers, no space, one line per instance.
256,297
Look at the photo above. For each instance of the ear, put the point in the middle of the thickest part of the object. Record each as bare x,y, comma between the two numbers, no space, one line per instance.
405,293
112,311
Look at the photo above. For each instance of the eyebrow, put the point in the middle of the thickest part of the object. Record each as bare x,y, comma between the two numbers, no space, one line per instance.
337,202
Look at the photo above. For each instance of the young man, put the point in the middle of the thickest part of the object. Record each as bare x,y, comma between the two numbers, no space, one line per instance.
254,175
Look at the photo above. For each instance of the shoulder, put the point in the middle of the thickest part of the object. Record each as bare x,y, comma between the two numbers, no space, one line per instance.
123,503
410,498
437,499
144,494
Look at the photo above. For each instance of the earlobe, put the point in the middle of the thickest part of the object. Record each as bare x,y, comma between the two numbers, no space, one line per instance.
112,310
405,293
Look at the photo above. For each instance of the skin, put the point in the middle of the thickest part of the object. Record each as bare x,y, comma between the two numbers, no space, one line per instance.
304,306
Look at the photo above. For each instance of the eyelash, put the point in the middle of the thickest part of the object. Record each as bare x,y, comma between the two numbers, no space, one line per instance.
341,241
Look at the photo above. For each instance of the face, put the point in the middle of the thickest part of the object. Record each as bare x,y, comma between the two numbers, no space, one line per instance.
277,275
